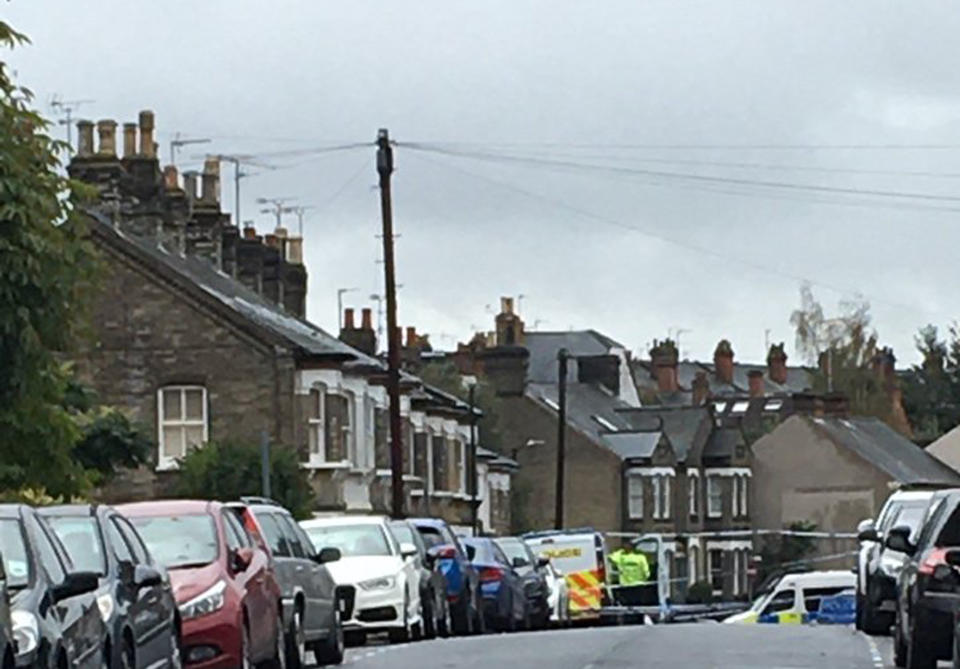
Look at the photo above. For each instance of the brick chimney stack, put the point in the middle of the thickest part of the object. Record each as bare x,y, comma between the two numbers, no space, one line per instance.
723,362
210,181
755,378
129,139
84,139
348,319
107,131
701,389
664,357
777,363
171,179
295,250
510,327
366,318
147,145
364,338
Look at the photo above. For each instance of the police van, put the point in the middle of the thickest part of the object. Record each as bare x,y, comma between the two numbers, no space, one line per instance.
817,596
580,555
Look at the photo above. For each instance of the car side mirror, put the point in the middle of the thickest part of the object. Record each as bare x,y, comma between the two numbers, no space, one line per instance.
543,562
329,554
407,550
519,562
898,539
952,558
75,584
242,558
145,576
867,531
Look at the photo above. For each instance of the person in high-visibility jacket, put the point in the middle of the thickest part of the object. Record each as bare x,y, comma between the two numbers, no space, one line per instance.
633,571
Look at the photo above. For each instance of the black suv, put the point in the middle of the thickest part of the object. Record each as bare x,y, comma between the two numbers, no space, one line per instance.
54,612
928,584
313,606
135,597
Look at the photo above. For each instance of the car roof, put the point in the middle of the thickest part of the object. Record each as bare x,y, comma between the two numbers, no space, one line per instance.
334,521
168,506
12,510
914,495
832,577
69,510
431,522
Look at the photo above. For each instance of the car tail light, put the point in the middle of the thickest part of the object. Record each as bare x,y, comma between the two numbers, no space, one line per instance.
490,574
446,553
936,558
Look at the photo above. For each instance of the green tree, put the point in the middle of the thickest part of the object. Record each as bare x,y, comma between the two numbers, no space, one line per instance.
444,375
843,349
229,470
783,551
45,267
931,390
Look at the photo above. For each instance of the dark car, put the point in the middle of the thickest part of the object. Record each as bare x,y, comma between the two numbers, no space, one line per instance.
505,606
877,565
533,571
56,622
135,597
928,585
8,648
433,584
463,582
223,582
311,609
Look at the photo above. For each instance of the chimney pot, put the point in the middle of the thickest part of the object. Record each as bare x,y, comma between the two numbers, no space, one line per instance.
210,181
506,305
348,319
107,130
366,319
723,361
249,232
171,179
272,241
281,232
84,138
664,357
129,139
295,251
147,145
701,389
411,337
755,378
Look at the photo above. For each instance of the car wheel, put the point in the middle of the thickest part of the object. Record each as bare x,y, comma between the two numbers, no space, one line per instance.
871,621
429,616
402,635
330,650
127,658
479,624
918,648
861,603
296,641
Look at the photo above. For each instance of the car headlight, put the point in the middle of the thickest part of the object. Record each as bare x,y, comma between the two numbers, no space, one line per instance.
26,632
208,601
382,583
105,604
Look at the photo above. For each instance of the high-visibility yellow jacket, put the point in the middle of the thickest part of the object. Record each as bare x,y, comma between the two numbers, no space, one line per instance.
632,567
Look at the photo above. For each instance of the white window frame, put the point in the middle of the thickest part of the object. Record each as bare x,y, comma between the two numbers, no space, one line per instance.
714,480
656,484
352,452
667,496
744,496
693,495
692,564
164,462
635,497
735,496
736,573
318,426
710,570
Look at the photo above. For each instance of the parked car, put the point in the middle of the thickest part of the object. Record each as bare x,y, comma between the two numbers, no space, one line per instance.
433,584
533,570
795,597
928,588
53,609
505,605
8,647
558,597
463,582
385,578
311,609
225,588
135,597
877,565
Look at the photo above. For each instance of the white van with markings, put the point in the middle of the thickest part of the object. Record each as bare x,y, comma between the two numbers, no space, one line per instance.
797,598
580,555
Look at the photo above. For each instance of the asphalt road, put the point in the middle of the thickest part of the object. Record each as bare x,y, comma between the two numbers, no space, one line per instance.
705,645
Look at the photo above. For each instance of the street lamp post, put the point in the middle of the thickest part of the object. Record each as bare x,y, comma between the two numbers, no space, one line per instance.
340,293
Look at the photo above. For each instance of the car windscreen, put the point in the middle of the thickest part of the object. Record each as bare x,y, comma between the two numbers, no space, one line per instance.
178,542
514,548
909,515
81,537
16,562
352,540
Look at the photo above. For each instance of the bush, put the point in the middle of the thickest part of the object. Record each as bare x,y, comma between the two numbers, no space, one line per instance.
700,592
229,470
37,497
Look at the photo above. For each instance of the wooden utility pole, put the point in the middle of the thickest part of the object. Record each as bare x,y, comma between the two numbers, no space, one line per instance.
474,477
562,357
385,169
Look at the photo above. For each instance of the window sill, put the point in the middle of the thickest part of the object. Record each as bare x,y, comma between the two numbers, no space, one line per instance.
714,516
325,465
167,467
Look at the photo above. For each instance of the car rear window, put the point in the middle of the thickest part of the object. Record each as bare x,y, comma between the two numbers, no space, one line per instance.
179,542
514,548
16,564
81,537
431,537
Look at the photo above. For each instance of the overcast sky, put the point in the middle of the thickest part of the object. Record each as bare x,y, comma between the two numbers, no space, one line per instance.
627,84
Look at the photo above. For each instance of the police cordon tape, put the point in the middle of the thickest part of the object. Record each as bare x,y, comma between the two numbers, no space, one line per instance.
727,534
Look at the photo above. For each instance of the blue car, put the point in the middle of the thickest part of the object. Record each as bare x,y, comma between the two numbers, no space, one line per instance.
463,582
505,605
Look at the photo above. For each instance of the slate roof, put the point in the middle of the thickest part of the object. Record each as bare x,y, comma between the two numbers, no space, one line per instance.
543,347
878,443
722,443
799,379
946,449
196,273
631,445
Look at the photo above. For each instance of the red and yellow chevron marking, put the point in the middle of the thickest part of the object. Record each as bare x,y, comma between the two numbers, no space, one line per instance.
585,591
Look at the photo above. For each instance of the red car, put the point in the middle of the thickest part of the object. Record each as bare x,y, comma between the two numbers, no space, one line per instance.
223,581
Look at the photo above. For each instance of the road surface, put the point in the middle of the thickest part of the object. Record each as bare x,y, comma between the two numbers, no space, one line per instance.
705,645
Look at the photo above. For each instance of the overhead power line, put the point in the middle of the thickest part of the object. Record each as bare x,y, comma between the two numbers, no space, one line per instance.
701,147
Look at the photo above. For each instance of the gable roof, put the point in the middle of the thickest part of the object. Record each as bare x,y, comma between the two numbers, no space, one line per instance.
946,449
543,347
686,427
631,445
228,296
885,448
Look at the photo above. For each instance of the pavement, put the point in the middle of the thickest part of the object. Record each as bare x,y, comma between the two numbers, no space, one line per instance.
695,645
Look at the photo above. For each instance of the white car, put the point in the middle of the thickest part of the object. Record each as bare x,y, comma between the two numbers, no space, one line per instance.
382,572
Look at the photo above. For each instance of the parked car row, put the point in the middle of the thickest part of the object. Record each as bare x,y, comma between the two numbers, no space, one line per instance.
909,576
